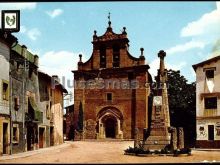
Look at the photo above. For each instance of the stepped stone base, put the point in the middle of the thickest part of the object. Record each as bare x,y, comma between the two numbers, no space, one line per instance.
156,142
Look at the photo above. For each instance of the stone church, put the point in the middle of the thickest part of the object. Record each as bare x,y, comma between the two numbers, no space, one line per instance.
112,88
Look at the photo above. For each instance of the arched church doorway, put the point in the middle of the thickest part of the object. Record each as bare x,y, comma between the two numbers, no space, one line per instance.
110,127
109,121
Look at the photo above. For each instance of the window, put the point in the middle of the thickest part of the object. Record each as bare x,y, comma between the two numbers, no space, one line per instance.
18,65
5,91
102,57
116,56
17,103
211,103
47,112
209,73
211,132
130,76
30,73
15,133
217,129
109,96
201,129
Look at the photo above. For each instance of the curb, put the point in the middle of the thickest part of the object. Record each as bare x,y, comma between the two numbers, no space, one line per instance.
34,152
205,149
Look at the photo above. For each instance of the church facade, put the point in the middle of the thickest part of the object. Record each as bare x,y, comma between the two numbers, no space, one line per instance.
112,88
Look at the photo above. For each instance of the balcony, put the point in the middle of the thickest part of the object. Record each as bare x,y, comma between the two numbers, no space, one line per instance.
210,112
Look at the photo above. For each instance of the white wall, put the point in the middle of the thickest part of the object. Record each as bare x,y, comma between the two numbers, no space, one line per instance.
201,86
204,123
4,75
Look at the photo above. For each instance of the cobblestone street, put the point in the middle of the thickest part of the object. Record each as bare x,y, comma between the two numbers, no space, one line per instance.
101,152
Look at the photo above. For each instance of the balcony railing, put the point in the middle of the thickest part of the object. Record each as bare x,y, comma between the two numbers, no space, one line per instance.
210,112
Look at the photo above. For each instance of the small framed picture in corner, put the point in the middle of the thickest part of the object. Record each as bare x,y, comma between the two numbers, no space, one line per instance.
11,20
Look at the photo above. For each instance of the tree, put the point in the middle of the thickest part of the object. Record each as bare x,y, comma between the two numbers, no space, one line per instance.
80,119
182,105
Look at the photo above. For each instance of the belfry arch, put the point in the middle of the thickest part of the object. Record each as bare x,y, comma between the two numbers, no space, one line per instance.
110,122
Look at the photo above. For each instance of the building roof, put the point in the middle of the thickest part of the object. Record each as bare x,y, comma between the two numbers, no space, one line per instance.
29,56
195,66
40,73
110,35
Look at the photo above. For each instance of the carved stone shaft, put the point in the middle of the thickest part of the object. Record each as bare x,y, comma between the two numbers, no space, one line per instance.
180,138
136,138
174,138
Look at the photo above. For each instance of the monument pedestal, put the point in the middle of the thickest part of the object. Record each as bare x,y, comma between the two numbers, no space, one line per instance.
159,136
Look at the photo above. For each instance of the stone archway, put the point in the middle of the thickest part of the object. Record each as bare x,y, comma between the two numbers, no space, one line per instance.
110,125
110,120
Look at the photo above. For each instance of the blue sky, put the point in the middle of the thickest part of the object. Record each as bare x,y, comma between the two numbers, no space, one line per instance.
59,31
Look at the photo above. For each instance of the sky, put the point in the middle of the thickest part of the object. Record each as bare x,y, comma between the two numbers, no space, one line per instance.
58,32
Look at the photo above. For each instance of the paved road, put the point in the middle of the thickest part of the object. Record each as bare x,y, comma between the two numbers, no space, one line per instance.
101,152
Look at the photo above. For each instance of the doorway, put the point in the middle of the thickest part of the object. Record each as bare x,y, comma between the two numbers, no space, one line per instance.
110,129
5,138
211,132
41,137
51,136
30,138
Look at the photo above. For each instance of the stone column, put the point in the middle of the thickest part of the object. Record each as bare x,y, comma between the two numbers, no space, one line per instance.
119,129
180,138
99,135
173,137
136,138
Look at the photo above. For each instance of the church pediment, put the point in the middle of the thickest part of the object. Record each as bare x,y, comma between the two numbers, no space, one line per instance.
110,35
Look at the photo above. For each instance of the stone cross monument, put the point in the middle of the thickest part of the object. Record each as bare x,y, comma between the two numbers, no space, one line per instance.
160,120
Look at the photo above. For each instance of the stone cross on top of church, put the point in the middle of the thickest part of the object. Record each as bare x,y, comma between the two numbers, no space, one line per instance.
109,19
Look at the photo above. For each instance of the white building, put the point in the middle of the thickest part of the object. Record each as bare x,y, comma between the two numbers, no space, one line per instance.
6,42
208,103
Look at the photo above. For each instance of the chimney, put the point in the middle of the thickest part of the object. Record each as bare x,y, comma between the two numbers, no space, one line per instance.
56,78
23,51
36,60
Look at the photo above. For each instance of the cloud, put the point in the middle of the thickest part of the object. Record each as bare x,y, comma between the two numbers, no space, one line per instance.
216,49
54,13
33,34
155,64
201,33
18,6
205,29
218,5
208,23
185,47
23,29
60,63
